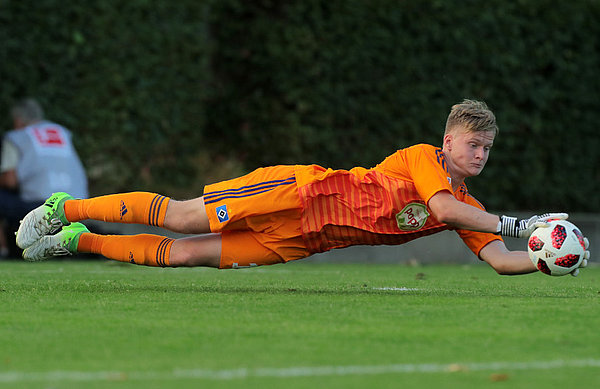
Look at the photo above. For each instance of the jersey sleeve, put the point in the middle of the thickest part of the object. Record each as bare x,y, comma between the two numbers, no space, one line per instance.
473,239
426,167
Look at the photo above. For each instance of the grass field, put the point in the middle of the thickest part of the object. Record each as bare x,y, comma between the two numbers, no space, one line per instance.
98,324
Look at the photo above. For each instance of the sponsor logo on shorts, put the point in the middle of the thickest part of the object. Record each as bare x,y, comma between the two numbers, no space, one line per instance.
413,217
222,214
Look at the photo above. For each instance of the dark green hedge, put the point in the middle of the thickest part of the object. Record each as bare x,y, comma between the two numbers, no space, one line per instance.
169,95
128,77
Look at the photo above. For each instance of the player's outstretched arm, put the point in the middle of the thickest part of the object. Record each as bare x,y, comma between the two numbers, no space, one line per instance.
447,209
504,261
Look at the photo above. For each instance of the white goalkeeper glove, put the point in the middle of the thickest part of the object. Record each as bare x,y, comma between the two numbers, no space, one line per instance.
586,256
510,226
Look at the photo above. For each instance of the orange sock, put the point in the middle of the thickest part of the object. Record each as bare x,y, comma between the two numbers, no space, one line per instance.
135,207
143,249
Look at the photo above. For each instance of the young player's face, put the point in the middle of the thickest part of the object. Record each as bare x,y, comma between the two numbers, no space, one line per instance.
467,151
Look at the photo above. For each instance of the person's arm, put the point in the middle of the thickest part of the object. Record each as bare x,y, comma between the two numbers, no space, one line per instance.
8,166
448,210
8,179
504,261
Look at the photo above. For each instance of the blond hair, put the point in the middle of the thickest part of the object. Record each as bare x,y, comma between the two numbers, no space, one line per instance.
473,116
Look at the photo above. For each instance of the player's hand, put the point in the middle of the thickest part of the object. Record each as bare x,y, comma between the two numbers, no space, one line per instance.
510,226
586,256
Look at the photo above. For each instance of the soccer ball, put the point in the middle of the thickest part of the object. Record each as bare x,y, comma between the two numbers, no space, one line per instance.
558,249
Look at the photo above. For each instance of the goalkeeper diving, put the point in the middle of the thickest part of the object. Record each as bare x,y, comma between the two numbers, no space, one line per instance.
282,213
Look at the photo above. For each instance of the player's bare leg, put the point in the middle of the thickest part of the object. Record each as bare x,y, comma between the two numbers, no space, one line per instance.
136,207
187,217
145,249
142,249
201,250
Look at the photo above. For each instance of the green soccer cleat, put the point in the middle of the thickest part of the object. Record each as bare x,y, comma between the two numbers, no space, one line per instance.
45,219
63,243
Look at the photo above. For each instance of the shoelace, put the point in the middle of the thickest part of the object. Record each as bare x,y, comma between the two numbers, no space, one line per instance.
57,250
55,223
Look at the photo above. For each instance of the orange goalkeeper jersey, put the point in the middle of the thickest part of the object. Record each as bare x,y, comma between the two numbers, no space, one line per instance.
383,205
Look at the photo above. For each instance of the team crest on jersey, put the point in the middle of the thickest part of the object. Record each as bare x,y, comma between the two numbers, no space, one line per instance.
412,217
222,214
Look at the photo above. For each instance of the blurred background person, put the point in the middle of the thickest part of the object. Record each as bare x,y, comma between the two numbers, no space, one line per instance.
37,159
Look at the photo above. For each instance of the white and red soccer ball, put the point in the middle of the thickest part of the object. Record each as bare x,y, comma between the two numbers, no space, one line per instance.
558,249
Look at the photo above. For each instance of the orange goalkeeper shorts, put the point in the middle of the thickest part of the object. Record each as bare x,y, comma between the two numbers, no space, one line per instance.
258,216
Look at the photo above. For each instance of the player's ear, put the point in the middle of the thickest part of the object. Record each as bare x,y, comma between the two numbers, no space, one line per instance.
448,138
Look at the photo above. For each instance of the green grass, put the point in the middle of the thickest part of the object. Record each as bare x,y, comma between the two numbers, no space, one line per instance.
95,324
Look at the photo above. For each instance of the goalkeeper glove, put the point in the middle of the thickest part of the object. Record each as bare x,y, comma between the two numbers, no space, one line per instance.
510,226
586,256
